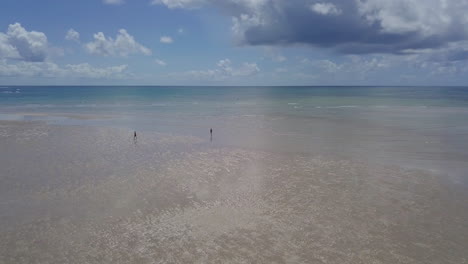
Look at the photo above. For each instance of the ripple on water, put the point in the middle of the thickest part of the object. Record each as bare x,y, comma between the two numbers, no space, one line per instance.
101,199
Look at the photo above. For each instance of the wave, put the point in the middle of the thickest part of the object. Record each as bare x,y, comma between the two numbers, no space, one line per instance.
38,105
337,106
88,105
342,106
11,91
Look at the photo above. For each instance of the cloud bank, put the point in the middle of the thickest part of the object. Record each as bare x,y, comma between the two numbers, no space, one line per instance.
52,70
223,71
347,26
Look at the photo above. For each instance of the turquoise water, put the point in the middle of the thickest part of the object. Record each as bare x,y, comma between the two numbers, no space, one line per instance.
126,102
124,96
424,127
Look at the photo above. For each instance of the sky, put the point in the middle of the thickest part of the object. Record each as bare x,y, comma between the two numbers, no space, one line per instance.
234,42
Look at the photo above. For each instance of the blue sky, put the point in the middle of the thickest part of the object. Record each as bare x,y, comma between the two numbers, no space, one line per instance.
234,42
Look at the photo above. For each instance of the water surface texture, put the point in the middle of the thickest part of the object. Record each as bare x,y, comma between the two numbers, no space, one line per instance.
290,175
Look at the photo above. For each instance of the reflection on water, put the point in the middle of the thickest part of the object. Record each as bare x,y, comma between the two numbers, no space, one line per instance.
290,175
418,127
80,194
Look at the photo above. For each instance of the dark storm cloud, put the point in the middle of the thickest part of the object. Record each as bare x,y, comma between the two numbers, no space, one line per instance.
353,31
348,26
457,55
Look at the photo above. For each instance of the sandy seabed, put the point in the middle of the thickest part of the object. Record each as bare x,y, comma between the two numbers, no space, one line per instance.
75,194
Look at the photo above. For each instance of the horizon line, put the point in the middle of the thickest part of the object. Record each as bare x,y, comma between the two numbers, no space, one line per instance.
158,85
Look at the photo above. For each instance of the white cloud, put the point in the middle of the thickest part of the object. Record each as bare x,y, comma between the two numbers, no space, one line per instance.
329,66
305,61
20,44
6,49
166,40
353,68
28,69
225,64
52,70
362,27
325,9
85,70
246,69
448,68
242,23
113,2
250,4
306,76
427,17
224,71
72,35
281,70
274,54
280,58
181,31
179,3
449,61
123,45
160,62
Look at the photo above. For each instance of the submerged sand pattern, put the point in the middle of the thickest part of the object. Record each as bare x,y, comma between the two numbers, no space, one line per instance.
92,195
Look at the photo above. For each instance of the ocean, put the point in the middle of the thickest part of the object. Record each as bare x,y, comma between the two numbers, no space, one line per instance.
289,175
423,127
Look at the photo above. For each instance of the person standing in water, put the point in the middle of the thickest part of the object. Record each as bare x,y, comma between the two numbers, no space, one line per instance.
134,136
211,134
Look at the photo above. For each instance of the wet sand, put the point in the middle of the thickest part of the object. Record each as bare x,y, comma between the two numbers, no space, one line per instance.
78,194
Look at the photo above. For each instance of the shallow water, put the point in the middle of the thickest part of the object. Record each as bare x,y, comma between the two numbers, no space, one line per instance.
414,127
85,194
283,180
